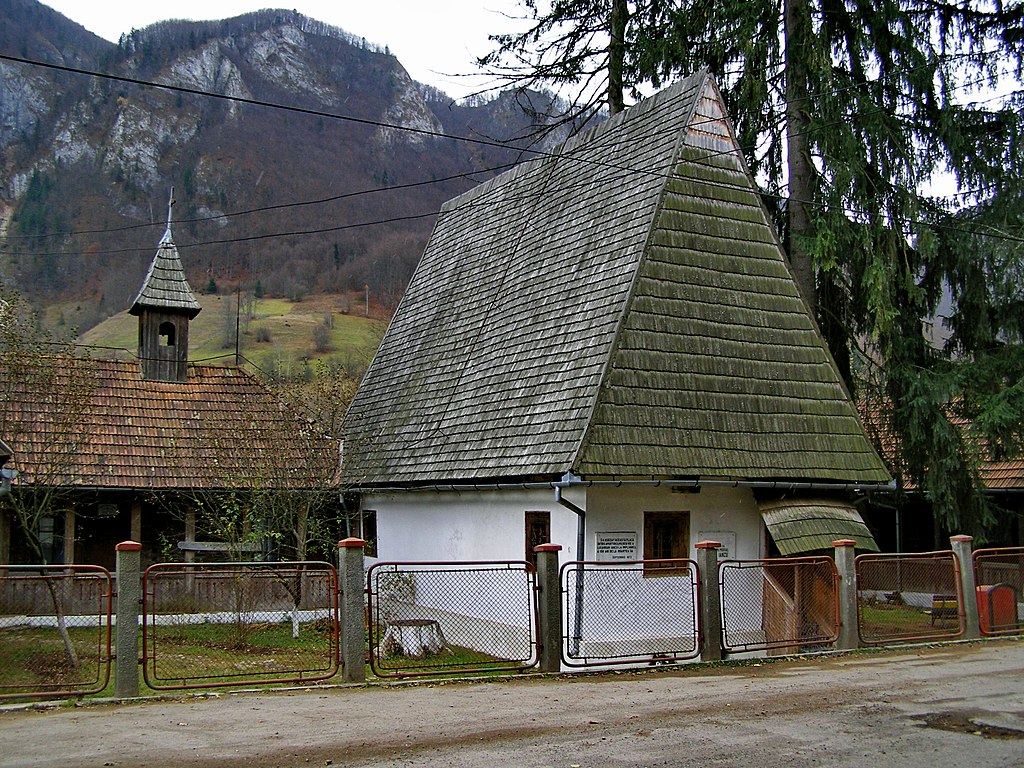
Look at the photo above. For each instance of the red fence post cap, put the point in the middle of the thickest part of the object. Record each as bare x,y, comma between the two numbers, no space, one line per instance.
128,546
961,539
352,541
708,545
844,543
548,548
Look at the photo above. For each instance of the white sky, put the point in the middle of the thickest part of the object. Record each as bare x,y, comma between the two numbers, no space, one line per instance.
431,38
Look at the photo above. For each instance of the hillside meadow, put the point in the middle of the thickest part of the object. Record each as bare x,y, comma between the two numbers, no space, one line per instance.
277,337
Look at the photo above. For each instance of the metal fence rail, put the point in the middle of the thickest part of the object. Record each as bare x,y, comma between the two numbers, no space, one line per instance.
442,617
54,630
637,612
999,576
784,605
908,597
223,624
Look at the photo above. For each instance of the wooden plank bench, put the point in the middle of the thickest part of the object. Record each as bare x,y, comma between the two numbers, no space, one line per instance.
944,607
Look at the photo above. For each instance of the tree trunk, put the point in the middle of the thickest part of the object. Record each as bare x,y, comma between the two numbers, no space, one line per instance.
800,167
616,54
62,624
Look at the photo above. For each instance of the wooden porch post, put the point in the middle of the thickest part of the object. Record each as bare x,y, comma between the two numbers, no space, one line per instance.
136,520
190,538
5,536
69,536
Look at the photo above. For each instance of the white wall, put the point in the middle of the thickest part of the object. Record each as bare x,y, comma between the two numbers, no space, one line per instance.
713,510
490,525
467,525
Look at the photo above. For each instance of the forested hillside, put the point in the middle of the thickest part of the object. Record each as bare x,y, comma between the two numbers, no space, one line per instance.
336,192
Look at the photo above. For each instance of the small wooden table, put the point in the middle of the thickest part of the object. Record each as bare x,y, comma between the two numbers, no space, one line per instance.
413,637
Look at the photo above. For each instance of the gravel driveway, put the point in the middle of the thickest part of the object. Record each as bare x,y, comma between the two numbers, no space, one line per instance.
957,705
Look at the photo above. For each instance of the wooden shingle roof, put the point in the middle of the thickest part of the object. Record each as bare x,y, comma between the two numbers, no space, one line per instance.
97,423
621,308
806,525
165,286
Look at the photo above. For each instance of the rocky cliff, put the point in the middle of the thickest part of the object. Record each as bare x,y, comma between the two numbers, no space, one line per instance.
333,194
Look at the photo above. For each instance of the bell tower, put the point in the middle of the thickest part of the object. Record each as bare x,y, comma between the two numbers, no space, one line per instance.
165,305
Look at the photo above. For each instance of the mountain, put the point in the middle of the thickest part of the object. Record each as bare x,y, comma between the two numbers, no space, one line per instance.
88,162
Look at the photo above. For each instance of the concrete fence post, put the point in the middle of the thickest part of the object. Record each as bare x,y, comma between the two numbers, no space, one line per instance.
849,633
549,607
710,601
353,613
962,548
126,632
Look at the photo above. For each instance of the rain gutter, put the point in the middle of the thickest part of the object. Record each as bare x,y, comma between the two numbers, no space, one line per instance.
574,481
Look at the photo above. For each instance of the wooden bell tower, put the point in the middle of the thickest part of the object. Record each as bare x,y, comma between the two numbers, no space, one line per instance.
165,305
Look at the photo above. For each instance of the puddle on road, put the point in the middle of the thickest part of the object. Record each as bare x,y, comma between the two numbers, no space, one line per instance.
958,722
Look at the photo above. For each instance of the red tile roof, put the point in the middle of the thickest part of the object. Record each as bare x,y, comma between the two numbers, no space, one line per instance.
1004,475
97,423
1001,475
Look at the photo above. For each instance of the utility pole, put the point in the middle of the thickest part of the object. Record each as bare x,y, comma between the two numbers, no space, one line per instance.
238,312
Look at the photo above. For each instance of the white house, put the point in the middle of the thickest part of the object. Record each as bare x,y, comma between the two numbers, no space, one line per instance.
605,348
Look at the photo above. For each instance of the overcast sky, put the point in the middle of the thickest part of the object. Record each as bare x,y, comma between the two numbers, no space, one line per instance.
432,38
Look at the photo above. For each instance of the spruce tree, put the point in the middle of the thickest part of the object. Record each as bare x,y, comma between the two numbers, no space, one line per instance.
845,110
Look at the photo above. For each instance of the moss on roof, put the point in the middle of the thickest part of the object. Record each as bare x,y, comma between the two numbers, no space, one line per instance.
621,308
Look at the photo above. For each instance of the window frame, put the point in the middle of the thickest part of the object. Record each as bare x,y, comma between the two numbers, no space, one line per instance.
679,546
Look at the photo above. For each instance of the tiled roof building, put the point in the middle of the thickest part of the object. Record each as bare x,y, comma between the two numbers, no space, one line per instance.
113,431
218,429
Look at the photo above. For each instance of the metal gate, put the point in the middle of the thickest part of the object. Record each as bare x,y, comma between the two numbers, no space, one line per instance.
224,624
906,597
999,576
637,612
783,605
54,630
433,618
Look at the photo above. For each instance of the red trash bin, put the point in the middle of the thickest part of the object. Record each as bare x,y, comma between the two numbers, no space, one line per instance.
997,608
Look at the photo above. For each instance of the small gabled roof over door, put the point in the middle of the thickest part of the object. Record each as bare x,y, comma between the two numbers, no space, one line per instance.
808,525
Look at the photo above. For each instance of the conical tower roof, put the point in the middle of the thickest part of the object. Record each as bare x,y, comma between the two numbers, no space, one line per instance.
165,286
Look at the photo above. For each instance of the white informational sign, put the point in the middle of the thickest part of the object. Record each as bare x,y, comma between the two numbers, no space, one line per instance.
616,545
727,538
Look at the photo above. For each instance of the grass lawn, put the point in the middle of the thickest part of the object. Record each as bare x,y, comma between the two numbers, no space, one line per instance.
33,658
880,621
215,652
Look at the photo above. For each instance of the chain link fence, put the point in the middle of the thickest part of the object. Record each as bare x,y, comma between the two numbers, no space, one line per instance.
55,635
999,576
782,605
224,624
642,612
438,618
908,597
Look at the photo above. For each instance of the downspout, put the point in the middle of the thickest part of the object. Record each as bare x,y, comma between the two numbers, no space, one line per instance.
581,543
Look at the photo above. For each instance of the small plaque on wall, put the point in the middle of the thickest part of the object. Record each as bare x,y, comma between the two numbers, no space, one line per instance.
727,539
616,545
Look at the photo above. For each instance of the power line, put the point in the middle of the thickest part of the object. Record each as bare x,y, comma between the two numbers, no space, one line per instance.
562,190
559,155
252,102
265,208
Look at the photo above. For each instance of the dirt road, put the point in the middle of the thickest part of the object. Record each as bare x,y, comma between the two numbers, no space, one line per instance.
958,705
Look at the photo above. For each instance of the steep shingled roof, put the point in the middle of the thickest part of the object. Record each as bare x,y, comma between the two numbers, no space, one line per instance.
619,309
165,286
97,423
